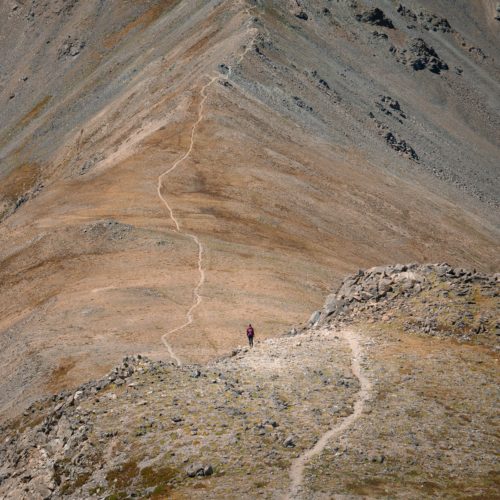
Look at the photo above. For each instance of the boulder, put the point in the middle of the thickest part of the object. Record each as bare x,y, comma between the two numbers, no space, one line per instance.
199,470
376,17
424,56
333,305
314,319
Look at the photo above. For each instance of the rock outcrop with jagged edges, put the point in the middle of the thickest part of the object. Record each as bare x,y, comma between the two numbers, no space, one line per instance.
435,299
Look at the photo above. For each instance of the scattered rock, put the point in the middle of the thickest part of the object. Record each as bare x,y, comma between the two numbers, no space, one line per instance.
423,56
425,19
301,104
478,53
391,107
199,470
376,17
401,146
70,48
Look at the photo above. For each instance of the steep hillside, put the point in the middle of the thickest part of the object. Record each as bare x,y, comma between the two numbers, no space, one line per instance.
170,171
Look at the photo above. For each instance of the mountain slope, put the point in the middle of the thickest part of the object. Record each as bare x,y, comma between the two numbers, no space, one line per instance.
326,143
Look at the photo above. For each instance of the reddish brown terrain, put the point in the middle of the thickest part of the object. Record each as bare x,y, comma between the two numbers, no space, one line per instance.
208,164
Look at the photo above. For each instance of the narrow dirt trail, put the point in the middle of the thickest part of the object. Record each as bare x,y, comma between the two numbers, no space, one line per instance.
197,298
299,464
196,292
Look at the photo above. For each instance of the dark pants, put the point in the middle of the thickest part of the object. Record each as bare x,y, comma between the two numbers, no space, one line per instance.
250,340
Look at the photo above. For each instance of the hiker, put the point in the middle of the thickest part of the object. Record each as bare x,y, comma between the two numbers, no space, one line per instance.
250,335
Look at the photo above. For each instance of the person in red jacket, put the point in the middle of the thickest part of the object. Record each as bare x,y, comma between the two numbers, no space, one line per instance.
250,335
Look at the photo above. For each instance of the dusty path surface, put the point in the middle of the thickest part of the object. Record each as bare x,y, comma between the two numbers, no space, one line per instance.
196,292
298,466
197,298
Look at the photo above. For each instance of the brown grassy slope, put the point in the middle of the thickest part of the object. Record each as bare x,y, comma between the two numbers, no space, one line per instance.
283,198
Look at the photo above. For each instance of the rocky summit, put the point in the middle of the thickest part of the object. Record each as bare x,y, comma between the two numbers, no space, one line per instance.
395,371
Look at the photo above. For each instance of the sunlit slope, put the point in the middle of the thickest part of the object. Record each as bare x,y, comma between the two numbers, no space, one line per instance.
292,179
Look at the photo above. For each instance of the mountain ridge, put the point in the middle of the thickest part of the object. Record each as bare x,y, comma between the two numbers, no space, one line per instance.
290,185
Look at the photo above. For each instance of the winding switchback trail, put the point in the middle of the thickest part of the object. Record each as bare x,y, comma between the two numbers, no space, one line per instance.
197,298
298,465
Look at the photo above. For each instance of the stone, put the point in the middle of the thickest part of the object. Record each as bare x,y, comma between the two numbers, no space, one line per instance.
199,470
376,17
400,145
314,319
64,431
223,68
289,442
42,486
384,286
424,56
78,395
333,305
377,459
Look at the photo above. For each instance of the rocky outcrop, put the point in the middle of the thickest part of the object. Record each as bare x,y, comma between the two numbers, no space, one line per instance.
376,17
400,145
427,20
424,56
151,427
70,48
38,453
431,298
390,106
419,55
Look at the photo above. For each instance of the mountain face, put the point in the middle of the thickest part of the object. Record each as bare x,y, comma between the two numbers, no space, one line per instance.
173,170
